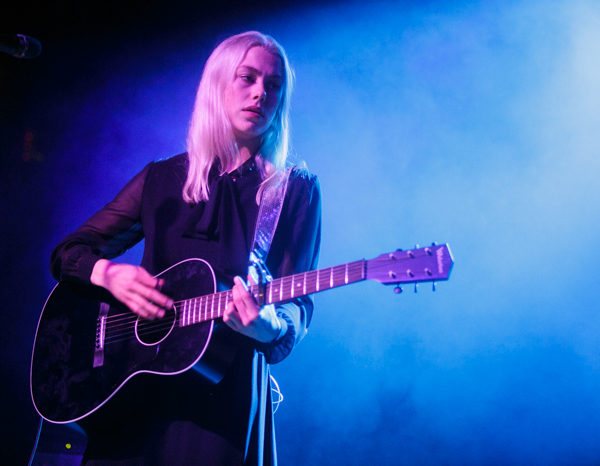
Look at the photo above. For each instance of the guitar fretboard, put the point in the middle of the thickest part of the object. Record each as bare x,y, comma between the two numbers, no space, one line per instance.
212,306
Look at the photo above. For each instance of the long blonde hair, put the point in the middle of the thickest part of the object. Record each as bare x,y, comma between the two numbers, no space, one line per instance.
210,134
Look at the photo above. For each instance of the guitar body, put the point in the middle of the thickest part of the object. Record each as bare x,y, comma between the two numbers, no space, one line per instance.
88,345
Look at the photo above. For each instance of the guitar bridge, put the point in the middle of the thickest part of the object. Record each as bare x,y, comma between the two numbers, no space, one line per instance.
100,335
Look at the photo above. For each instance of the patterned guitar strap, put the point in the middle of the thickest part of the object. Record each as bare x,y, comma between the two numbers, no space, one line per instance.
266,223
260,419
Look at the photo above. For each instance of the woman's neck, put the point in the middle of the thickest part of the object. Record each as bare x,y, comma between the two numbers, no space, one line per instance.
246,151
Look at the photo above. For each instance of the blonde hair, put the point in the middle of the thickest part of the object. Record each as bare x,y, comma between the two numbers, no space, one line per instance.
210,134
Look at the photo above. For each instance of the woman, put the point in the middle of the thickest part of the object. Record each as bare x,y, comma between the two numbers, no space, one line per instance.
204,204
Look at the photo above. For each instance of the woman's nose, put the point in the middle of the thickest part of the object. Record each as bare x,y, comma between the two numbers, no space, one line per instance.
260,92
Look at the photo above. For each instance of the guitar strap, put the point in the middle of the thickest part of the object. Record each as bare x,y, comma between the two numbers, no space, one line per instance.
269,211
258,447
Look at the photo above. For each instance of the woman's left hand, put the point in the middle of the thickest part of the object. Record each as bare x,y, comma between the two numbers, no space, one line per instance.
246,317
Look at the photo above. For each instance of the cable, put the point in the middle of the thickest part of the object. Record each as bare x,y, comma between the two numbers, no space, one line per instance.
35,445
275,390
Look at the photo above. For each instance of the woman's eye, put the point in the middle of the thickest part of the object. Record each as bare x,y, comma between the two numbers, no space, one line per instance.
247,78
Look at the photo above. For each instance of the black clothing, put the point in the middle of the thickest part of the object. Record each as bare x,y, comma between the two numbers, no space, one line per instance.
183,419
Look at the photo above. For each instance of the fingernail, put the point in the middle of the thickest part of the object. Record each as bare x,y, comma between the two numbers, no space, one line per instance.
240,281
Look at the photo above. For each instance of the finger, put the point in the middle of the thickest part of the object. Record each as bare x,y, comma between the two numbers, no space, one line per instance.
144,277
247,310
144,307
152,294
135,303
244,294
238,308
158,298
231,318
229,310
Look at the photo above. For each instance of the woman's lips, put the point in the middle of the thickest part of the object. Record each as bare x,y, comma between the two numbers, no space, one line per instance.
255,110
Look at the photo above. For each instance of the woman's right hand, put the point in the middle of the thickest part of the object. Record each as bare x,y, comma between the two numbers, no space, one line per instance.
133,286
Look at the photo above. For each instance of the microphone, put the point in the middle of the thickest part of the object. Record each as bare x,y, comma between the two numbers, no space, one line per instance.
20,45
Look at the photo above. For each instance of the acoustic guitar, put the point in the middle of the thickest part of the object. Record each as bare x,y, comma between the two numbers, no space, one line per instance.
88,345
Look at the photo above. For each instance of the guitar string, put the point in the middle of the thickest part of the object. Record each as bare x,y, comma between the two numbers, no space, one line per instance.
278,282
126,317
159,325
150,327
156,326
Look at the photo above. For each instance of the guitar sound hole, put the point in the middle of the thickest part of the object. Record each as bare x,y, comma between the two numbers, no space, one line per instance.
152,332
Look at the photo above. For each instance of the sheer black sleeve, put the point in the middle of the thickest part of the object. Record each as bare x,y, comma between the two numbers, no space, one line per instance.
107,234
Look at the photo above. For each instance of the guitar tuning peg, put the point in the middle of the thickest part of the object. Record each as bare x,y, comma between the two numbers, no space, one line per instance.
397,289
432,286
416,288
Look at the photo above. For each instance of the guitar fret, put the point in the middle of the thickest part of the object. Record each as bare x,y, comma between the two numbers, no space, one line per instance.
311,276
210,307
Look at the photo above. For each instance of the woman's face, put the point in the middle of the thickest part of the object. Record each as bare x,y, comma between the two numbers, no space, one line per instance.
252,98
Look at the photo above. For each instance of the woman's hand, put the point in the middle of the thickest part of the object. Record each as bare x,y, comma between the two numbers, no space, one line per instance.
245,316
133,286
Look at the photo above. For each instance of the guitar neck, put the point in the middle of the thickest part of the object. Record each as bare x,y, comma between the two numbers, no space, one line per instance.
301,284
428,264
212,306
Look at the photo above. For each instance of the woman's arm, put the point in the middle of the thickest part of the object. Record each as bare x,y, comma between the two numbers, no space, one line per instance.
84,255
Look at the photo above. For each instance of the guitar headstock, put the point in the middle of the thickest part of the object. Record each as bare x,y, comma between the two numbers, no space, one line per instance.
429,264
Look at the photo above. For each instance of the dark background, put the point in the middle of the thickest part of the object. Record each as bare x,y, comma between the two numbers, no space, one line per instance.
79,40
